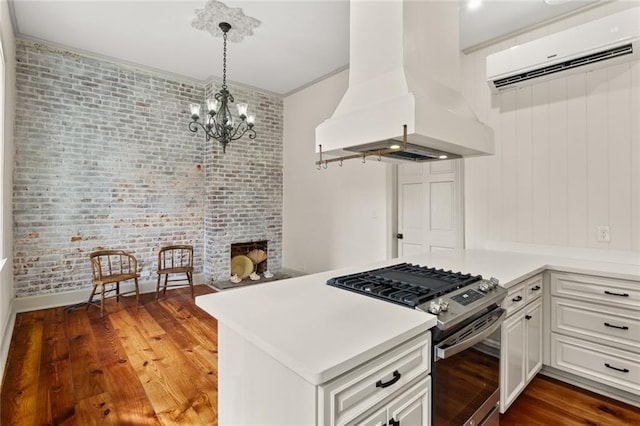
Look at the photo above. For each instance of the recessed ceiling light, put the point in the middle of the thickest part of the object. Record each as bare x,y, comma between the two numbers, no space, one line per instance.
394,146
474,4
442,157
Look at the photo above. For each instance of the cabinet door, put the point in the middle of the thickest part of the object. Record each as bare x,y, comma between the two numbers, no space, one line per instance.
512,359
378,418
533,328
412,407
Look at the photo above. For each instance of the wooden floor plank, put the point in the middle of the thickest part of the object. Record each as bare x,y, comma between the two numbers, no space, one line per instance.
96,409
19,400
126,390
56,380
86,367
549,402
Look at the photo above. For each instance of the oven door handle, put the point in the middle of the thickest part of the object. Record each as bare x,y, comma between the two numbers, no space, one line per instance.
443,351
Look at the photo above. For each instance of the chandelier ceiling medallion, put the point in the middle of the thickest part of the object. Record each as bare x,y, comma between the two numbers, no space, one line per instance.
218,122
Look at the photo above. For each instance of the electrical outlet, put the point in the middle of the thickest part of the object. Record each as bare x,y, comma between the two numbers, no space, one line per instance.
604,234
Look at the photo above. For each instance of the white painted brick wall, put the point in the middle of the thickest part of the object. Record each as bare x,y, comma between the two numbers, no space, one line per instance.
104,159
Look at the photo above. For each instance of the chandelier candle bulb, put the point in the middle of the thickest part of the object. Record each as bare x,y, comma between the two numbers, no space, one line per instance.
212,106
250,120
195,111
242,110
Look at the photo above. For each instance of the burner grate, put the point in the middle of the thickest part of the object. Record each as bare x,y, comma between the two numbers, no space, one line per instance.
405,283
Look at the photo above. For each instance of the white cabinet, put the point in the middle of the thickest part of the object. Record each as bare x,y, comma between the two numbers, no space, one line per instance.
521,339
595,329
411,407
255,388
371,386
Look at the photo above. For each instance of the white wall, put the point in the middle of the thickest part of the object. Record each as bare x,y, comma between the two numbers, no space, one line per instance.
6,274
336,217
567,156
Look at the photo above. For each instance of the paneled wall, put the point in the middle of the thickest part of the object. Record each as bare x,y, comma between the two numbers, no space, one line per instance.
567,154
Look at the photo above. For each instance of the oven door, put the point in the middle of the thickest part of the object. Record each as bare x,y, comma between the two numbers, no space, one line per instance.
467,374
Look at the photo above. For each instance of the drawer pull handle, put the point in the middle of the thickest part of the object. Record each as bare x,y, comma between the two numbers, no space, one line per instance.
394,422
621,327
517,298
528,317
624,370
536,288
611,293
396,377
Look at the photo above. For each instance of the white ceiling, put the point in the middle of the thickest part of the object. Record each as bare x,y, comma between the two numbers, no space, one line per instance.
298,42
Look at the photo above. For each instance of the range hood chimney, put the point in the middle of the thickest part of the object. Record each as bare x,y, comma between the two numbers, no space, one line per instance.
404,68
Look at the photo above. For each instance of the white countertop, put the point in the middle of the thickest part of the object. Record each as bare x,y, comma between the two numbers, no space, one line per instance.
320,332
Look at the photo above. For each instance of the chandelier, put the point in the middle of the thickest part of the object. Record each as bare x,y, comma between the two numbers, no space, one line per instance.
218,123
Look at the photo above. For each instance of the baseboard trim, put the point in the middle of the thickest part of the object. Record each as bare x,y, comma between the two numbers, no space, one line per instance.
590,385
6,339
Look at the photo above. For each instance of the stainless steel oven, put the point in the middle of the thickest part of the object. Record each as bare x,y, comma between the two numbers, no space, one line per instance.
466,371
466,356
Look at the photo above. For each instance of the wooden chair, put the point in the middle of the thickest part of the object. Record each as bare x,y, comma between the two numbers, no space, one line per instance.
176,259
110,268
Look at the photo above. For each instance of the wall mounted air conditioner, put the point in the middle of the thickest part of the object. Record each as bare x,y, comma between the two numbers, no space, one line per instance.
600,43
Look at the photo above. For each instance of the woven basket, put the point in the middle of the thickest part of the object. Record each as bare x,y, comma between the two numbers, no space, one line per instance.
257,256
241,266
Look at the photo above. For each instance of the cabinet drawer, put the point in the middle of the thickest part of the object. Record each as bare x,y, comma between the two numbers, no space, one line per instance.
534,288
617,327
613,367
353,393
516,299
608,291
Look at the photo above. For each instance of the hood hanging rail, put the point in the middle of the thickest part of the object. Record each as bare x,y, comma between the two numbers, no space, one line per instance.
322,164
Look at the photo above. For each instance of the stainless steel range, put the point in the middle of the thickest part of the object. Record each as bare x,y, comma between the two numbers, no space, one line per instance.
466,357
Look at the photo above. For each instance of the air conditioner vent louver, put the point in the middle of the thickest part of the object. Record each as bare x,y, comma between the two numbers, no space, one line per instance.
567,65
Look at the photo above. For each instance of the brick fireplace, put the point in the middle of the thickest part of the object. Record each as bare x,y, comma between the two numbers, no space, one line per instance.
243,188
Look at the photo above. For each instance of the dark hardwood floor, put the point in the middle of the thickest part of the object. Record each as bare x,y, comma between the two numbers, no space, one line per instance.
151,364
547,401
156,363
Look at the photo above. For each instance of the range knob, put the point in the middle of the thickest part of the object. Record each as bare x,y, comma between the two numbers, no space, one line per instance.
484,286
444,306
434,308
493,282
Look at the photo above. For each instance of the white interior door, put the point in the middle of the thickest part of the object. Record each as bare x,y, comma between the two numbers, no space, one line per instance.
430,203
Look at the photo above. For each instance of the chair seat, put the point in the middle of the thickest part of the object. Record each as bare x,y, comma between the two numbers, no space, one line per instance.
175,270
116,278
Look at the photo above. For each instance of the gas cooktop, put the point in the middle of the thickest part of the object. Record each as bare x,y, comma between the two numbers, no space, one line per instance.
405,284
453,296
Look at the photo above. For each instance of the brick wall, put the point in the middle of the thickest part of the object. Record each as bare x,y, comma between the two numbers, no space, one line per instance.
104,159
244,187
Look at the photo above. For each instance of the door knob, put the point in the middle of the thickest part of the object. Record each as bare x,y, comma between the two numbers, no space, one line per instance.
399,236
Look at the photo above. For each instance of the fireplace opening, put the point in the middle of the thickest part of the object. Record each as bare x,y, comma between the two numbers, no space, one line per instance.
246,248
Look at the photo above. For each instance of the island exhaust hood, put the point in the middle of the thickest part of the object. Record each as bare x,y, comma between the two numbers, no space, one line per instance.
404,69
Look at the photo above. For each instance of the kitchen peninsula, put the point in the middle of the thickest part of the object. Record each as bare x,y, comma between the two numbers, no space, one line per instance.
298,351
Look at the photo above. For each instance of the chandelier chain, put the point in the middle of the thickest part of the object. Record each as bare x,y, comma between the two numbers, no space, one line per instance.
224,60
